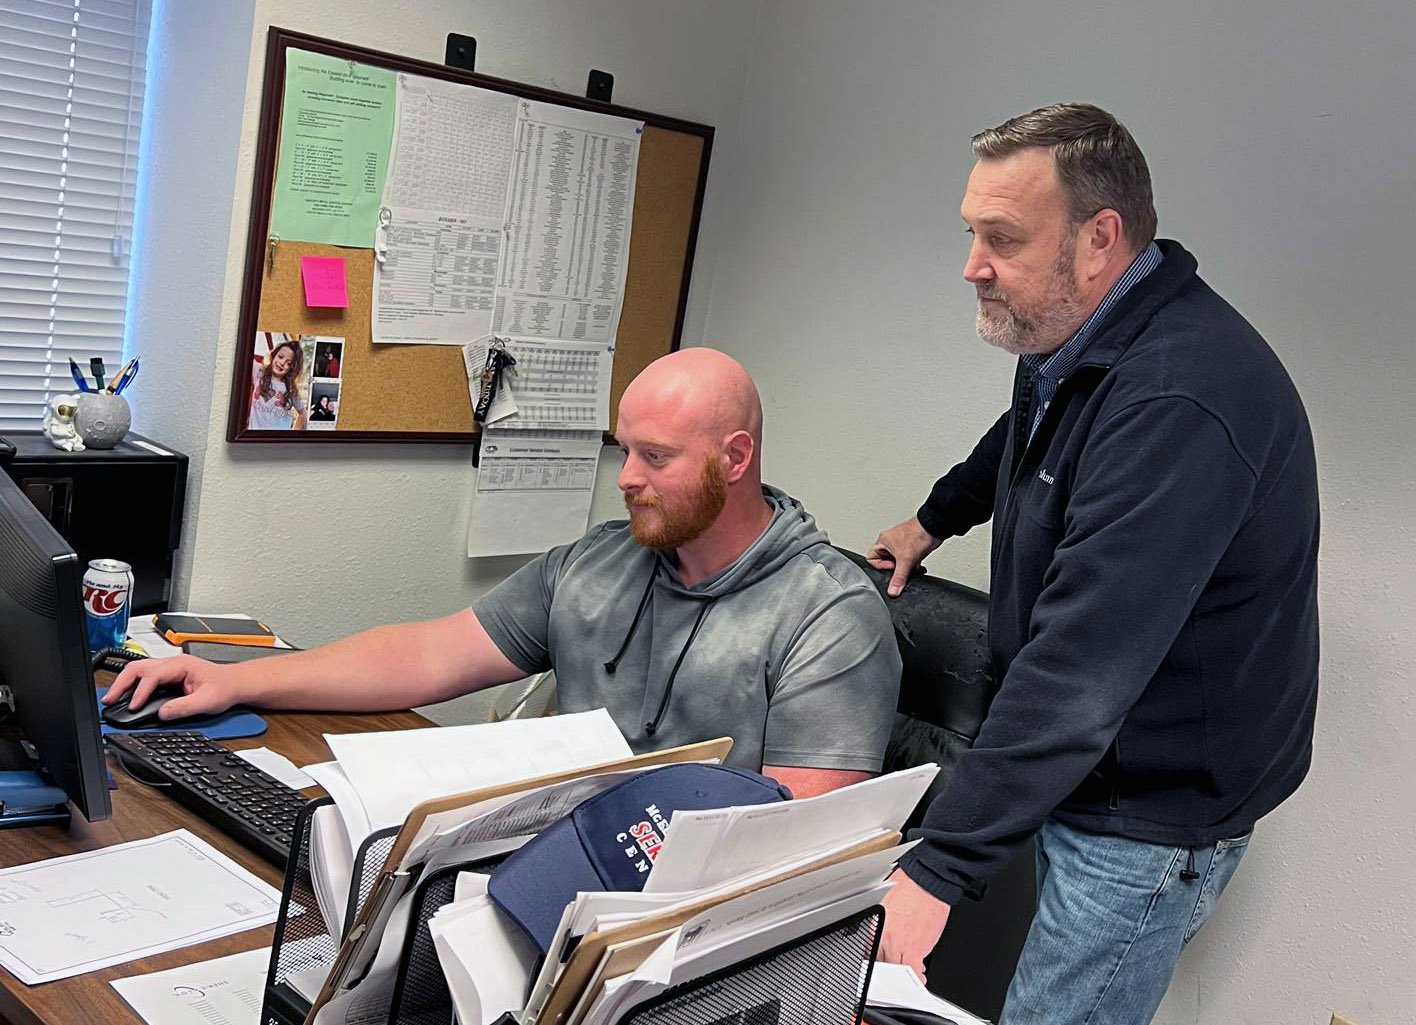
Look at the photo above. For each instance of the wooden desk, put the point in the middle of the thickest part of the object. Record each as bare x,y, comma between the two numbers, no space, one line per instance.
139,812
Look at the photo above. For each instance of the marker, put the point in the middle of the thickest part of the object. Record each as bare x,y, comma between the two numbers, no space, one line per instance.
96,365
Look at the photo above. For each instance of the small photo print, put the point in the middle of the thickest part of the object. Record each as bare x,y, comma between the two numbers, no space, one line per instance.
280,381
329,354
324,405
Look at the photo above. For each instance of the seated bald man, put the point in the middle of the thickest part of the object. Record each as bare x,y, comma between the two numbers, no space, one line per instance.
717,609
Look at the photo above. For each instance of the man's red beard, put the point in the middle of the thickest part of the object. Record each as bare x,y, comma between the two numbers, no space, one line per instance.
687,518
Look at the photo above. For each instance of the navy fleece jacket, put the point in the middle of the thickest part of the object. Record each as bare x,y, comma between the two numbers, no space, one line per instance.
1153,600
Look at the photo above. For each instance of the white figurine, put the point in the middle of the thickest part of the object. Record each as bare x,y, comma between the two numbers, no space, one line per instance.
59,423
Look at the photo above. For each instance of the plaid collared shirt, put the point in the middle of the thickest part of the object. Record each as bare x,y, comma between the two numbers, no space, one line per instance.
1050,369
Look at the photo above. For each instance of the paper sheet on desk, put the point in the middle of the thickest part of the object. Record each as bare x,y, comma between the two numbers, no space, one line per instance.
534,490
277,765
81,912
225,991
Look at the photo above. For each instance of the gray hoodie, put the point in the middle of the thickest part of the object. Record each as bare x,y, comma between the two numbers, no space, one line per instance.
789,650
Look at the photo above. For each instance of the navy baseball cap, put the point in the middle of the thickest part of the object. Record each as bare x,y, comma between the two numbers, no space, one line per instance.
610,841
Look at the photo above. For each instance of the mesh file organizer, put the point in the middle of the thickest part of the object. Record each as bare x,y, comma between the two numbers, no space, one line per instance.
817,979
420,993
303,942
821,977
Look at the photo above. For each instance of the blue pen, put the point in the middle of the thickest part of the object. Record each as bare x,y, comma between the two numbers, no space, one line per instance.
125,377
78,375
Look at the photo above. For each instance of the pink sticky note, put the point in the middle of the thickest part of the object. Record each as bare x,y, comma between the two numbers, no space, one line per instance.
324,281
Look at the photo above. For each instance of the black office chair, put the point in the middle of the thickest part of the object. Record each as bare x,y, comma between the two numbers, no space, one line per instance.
946,686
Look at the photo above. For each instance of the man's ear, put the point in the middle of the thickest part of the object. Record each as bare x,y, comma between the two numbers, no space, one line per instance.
738,450
1102,237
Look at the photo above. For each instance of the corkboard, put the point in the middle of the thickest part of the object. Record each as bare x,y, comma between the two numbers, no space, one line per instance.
419,392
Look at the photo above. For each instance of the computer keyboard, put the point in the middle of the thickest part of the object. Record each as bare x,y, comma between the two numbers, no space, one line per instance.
241,800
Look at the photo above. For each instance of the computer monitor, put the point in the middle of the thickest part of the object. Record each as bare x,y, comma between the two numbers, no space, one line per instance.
44,657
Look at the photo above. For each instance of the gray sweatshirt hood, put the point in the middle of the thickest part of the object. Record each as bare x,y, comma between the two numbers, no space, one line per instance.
791,531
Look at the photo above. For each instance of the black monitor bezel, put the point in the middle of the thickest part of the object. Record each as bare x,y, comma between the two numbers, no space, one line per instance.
44,640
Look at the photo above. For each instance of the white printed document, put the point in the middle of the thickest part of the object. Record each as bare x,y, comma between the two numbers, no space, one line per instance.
435,283
534,490
444,204
81,912
703,848
394,771
896,985
226,991
568,219
451,147
557,384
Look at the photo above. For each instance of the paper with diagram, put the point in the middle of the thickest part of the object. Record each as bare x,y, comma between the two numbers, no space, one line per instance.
81,912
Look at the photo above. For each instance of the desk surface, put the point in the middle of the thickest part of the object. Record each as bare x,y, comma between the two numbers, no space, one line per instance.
138,812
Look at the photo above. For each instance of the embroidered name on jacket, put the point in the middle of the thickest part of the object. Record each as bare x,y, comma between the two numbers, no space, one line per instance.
1045,477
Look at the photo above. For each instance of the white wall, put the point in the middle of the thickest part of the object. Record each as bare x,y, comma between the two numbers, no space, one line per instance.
326,539
1279,138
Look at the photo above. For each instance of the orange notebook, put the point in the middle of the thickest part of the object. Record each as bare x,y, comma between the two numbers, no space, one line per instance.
180,627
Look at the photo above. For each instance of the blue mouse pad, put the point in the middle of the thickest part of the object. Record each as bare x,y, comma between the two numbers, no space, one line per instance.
226,726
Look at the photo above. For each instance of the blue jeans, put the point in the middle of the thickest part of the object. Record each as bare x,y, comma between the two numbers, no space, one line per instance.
1113,916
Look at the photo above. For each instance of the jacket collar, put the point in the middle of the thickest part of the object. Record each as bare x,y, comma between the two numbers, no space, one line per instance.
1135,309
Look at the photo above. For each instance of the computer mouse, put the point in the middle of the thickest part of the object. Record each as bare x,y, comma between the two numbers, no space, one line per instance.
122,716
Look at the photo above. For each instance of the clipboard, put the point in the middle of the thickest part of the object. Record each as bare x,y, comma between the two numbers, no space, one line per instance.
356,952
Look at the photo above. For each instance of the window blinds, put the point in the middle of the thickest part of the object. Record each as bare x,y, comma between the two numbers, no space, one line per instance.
71,101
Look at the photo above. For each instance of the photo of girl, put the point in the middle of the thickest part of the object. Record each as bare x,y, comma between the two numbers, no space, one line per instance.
278,383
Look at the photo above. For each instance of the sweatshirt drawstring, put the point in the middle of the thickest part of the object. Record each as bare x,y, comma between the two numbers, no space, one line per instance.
652,726
613,663
1188,873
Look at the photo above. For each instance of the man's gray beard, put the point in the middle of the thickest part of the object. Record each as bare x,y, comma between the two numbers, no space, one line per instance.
1057,322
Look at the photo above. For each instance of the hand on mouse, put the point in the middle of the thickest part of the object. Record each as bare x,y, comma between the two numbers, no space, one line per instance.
207,689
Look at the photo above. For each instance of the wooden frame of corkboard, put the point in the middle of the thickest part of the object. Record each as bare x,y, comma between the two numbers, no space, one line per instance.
419,392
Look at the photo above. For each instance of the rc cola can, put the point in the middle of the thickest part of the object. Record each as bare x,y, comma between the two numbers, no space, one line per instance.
108,585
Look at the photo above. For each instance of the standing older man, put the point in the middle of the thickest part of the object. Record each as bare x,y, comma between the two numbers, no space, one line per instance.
718,609
1153,607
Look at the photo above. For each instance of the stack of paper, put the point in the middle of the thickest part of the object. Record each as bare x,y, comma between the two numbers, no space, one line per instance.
461,829
377,778
728,884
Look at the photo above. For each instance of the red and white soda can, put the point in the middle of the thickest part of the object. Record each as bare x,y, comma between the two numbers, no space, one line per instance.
108,586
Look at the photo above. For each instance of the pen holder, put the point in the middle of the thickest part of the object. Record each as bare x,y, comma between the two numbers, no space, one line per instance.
102,419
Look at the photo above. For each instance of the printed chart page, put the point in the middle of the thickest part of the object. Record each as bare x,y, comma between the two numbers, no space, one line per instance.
534,490
443,208
226,991
568,220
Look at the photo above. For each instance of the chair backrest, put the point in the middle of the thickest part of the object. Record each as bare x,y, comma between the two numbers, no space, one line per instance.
942,630
947,683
